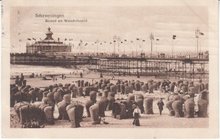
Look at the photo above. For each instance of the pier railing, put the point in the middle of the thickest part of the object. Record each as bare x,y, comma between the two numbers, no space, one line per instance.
179,67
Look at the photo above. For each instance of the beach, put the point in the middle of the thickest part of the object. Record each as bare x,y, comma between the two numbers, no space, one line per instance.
147,121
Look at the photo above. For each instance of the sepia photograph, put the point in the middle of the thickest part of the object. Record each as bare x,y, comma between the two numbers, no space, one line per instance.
91,66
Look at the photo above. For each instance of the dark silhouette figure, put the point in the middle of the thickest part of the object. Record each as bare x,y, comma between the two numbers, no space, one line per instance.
136,115
160,105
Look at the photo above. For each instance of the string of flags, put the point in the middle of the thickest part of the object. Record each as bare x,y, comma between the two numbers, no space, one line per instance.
116,40
98,42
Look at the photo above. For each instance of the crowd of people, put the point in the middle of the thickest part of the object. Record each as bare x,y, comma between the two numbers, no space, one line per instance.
26,100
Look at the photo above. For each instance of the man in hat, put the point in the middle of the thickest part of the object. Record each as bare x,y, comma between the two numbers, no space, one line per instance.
160,105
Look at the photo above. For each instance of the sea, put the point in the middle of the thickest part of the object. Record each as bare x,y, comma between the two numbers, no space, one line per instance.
44,70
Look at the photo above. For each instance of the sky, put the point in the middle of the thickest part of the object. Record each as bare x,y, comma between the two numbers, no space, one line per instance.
103,23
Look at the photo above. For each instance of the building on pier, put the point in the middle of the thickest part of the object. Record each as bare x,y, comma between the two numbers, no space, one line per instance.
48,45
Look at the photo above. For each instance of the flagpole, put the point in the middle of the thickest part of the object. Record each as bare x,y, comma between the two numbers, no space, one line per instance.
197,44
151,49
151,43
97,48
172,47
114,41
114,47
197,41
136,48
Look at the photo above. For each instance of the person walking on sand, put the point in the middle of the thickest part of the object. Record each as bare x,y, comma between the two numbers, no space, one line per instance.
160,105
136,114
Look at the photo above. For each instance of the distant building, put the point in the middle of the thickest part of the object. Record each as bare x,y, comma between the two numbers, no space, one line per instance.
48,45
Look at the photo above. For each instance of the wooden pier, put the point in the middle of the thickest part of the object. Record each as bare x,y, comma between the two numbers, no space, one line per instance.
165,67
177,67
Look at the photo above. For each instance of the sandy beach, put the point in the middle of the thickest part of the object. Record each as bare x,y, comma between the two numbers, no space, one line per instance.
147,121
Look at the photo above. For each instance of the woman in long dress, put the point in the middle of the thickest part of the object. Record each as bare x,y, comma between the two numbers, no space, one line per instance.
136,114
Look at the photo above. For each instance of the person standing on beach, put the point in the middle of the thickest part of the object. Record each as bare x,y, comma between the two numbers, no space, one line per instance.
81,75
136,115
21,79
160,105
201,86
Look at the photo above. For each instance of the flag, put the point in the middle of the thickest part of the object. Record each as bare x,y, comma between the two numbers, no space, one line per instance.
96,41
174,36
201,33
197,33
151,36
